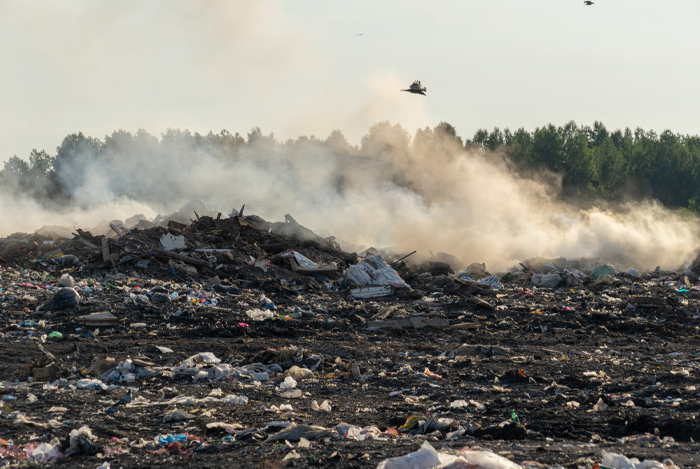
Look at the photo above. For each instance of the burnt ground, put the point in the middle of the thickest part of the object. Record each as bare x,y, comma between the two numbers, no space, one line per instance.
608,374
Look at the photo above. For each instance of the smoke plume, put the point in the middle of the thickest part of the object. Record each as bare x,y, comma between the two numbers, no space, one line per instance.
422,192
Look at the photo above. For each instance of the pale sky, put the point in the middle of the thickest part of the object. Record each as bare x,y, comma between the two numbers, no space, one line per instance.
299,67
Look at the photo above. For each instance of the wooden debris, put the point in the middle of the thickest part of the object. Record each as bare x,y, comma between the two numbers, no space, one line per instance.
87,243
105,250
476,301
385,313
185,259
470,326
98,319
372,292
111,225
88,236
176,225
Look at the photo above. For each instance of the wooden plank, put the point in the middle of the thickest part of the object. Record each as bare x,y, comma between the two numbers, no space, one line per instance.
476,301
111,225
385,313
88,236
470,326
372,292
105,250
98,319
186,259
176,225
330,270
87,243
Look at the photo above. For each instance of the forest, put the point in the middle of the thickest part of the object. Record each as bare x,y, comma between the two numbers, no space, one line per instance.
590,163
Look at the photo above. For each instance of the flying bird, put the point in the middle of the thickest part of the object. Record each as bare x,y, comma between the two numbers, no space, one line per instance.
415,88
361,34
588,3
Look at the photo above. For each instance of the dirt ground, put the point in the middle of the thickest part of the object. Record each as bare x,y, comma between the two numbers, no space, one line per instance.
550,377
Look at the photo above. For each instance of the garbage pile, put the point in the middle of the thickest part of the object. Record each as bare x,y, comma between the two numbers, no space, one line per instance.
226,340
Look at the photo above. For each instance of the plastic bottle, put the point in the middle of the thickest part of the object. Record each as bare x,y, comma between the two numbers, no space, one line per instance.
514,417
266,303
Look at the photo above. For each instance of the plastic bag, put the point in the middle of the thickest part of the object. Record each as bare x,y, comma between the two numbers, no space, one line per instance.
425,458
80,441
63,299
167,439
45,452
374,271
232,399
482,460
619,461
304,262
91,384
260,315
546,280
289,383
604,280
66,281
602,270
475,269
491,281
324,406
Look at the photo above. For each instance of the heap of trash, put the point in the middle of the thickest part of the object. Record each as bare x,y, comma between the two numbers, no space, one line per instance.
226,340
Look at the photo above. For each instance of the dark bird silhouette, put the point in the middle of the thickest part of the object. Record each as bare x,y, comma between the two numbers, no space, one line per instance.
126,398
361,34
416,88
588,3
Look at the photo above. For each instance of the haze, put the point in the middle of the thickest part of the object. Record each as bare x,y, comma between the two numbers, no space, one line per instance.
296,68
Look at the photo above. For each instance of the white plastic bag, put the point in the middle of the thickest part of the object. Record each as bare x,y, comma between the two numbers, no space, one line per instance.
260,315
289,383
324,406
425,458
374,271
491,281
66,281
620,461
303,262
484,460
45,453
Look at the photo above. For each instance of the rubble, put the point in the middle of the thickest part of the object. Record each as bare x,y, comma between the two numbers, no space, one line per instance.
246,342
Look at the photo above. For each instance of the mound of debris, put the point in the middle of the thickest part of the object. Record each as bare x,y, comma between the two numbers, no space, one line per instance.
234,341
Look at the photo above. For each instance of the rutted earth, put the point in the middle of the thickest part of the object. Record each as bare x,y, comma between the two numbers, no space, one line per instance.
542,376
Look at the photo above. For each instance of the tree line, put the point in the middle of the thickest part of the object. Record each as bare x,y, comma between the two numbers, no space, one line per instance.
593,162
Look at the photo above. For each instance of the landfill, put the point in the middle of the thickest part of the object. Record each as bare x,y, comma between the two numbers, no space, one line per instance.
212,340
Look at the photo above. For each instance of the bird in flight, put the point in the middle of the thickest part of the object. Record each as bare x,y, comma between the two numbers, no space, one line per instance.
361,34
588,3
416,88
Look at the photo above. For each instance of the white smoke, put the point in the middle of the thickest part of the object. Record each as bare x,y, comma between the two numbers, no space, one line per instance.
427,194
